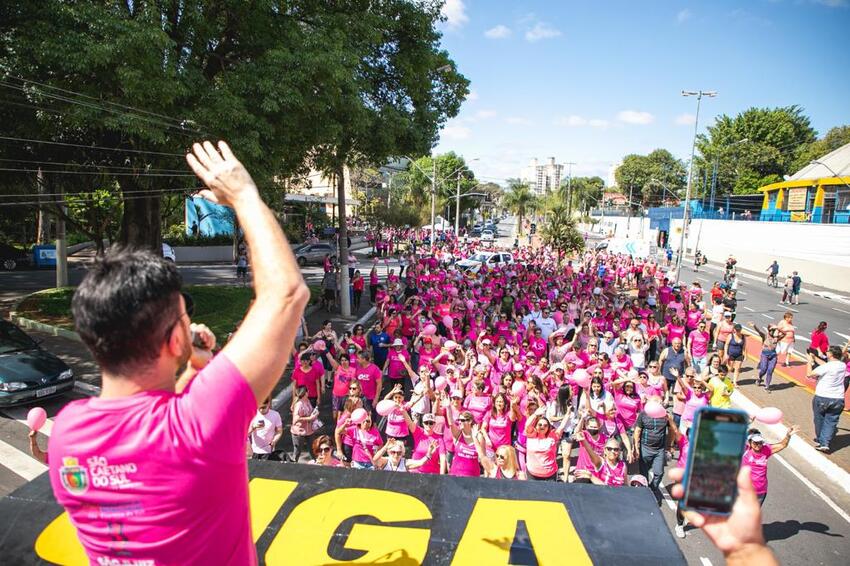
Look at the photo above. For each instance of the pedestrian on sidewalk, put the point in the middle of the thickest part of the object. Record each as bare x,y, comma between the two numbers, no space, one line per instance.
767,363
828,402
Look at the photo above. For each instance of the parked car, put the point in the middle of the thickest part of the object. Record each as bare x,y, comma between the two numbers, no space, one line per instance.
12,257
168,252
314,253
473,263
487,237
27,371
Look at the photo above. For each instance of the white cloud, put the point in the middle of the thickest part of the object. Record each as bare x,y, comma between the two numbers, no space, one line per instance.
635,117
541,30
455,13
455,132
472,96
518,121
575,121
685,119
498,32
485,114
684,15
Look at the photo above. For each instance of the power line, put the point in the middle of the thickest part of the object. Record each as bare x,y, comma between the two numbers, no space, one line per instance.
104,173
69,164
98,147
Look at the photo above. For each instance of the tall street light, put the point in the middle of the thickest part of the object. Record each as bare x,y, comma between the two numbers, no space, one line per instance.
457,200
837,176
699,94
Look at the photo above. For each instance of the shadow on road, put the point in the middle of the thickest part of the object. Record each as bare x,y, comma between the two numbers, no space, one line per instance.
781,530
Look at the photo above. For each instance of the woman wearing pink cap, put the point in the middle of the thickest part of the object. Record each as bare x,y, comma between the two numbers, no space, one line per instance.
542,441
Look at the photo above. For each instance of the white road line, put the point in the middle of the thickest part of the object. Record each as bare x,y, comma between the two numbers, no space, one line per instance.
749,309
814,488
841,310
20,415
20,462
667,499
742,292
842,335
767,316
786,307
704,561
799,337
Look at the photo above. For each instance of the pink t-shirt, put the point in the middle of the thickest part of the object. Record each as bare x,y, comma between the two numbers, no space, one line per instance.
699,343
364,443
478,405
541,453
368,378
308,379
611,475
757,461
342,377
396,424
421,443
499,429
627,408
584,462
144,462
465,461
692,403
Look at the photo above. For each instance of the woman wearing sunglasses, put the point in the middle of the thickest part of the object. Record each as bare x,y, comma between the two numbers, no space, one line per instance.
541,445
503,464
394,461
344,375
363,437
609,469
465,460
323,452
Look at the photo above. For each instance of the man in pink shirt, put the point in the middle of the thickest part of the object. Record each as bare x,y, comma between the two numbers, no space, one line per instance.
154,470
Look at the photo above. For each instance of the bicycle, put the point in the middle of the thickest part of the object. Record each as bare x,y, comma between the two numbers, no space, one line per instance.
772,280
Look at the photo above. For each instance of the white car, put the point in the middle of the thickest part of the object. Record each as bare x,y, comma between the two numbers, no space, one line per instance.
473,263
168,252
487,236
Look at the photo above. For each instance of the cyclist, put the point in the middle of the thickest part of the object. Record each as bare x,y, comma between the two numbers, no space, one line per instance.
772,272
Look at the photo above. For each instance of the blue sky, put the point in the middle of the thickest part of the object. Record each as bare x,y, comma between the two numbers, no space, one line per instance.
591,81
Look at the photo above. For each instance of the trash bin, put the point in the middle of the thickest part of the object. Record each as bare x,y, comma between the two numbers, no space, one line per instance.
44,256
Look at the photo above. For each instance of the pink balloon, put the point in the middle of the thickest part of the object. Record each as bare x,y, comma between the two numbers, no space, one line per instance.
518,387
448,321
470,305
450,344
319,345
429,330
385,407
440,382
36,418
655,410
581,378
769,415
359,415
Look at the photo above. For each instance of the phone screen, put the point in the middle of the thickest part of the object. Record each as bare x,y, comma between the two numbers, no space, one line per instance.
717,442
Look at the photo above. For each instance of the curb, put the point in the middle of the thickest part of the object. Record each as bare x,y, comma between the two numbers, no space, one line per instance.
48,328
833,471
286,395
87,388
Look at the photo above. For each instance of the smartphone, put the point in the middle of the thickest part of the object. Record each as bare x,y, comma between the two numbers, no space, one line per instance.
717,441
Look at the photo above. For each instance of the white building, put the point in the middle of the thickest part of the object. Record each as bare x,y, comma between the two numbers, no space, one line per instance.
542,178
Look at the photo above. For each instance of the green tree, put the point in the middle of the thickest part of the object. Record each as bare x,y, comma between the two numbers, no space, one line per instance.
775,137
586,192
649,177
834,138
449,167
561,233
520,200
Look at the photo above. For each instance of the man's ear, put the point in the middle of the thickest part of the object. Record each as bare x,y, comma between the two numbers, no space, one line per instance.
175,341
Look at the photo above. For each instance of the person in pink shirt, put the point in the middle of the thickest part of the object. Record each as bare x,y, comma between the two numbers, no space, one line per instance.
594,440
368,375
398,419
609,469
499,421
344,374
756,456
117,451
323,452
478,402
309,376
697,344
465,460
422,439
541,445
693,397
362,436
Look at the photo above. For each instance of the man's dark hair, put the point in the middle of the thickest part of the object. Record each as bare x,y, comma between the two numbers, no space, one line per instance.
125,306
836,352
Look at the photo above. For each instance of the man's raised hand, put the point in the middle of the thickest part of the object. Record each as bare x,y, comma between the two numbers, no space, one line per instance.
226,177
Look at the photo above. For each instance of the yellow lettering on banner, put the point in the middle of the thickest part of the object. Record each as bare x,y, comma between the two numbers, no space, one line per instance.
492,526
267,497
305,535
58,543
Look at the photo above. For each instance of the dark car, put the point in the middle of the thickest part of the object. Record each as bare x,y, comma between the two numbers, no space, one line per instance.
28,372
11,257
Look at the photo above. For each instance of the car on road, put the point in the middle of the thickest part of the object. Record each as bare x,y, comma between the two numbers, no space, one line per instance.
473,263
487,236
11,257
314,253
168,252
28,372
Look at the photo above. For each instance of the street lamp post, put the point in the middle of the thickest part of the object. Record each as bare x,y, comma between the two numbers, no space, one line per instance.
699,94
457,201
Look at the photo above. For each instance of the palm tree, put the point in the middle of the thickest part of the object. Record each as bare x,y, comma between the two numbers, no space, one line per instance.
520,200
561,233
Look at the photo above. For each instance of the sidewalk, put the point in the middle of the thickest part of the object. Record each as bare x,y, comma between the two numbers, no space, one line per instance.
792,392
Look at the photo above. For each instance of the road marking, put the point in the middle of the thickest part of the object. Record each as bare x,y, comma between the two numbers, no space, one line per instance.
786,307
742,292
767,316
814,488
798,337
749,309
20,415
19,462
842,335
704,561
841,310
667,499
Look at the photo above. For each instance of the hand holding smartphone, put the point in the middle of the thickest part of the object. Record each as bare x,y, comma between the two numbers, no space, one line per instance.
716,445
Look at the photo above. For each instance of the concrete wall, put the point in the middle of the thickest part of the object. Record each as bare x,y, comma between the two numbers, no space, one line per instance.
194,254
819,252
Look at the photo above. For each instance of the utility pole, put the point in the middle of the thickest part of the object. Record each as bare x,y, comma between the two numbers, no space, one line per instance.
433,199
699,94
457,207
42,232
61,242
344,298
570,189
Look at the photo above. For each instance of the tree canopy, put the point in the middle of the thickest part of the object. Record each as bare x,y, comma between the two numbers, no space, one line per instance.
651,178
288,84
